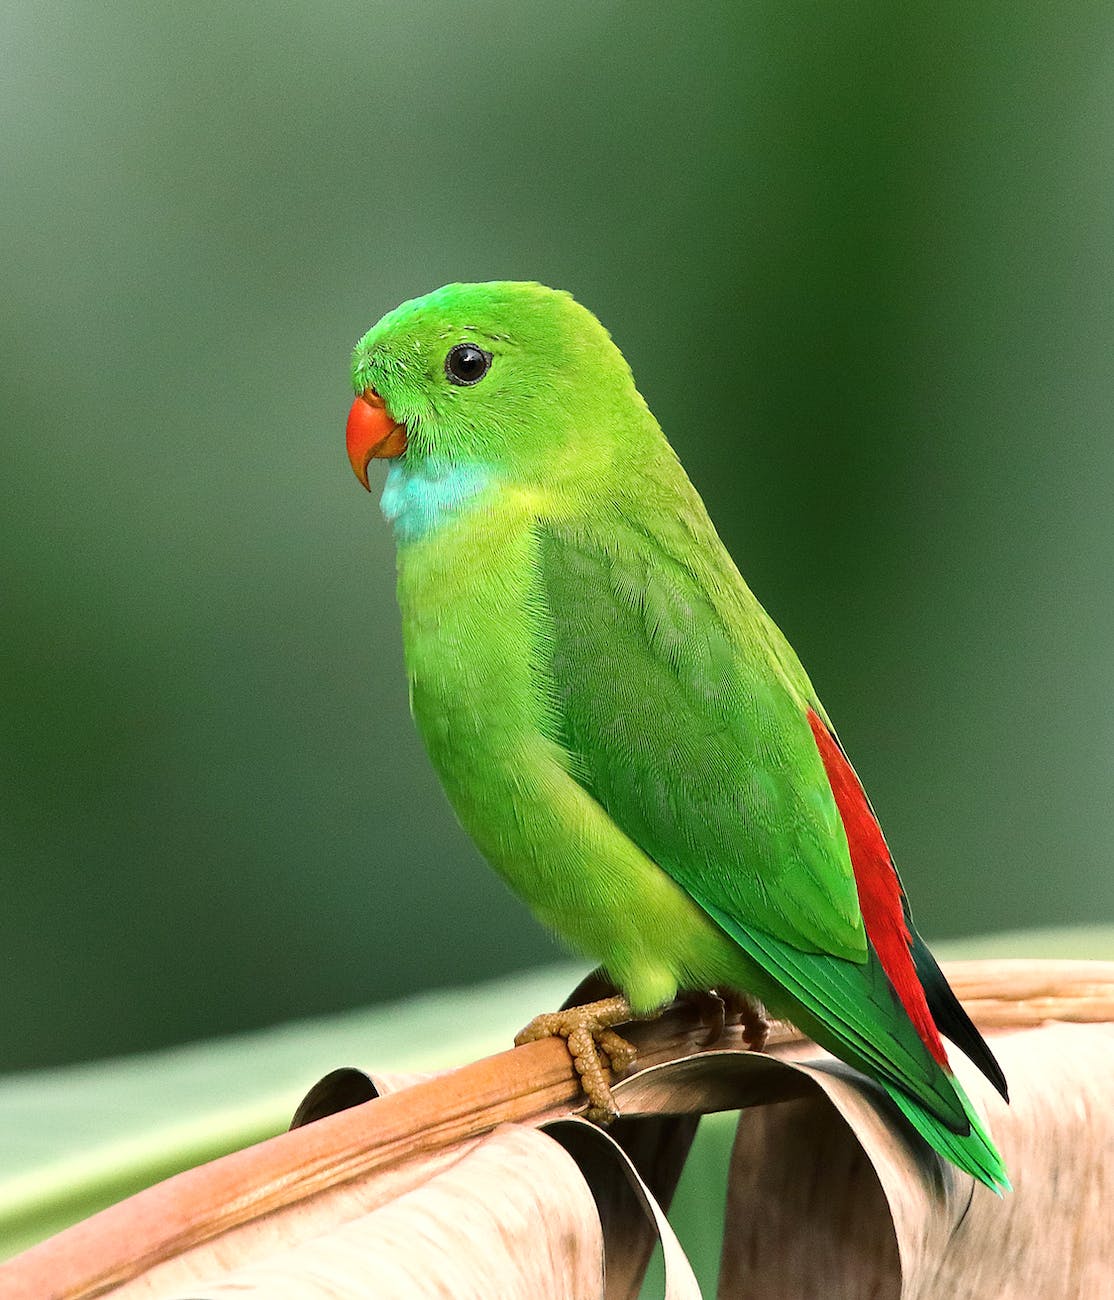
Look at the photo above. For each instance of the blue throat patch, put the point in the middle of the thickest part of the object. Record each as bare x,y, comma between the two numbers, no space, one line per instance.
418,499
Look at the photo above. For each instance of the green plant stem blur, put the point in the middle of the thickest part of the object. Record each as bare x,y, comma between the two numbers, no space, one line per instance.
859,258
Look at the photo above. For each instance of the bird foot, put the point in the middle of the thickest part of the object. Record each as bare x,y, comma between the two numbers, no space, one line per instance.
750,1015
597,1051
718,1008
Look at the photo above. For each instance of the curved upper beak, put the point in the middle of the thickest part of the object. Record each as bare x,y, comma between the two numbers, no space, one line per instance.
372,434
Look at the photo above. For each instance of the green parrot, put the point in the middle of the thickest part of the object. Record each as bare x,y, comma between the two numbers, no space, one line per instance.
617,722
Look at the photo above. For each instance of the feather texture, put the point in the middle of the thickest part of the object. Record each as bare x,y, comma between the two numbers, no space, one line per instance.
880,894
619,725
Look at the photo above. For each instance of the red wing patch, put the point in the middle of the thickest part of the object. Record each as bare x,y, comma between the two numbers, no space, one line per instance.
878,886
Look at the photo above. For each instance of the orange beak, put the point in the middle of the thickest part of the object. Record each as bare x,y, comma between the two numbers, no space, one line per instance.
372,434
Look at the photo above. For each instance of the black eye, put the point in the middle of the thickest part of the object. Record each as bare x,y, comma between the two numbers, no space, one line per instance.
467,364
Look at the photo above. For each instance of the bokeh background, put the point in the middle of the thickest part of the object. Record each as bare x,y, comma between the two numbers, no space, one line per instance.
860,258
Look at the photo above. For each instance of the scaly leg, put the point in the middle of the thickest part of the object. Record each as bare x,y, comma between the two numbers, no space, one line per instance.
597,1051
747,1012
711,1009
719,1007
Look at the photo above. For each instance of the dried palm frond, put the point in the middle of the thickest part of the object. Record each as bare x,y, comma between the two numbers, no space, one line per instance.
477,1182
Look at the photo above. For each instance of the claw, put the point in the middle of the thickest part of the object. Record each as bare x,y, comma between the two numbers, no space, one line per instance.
597,1051
718,1008
711,1009
750,1015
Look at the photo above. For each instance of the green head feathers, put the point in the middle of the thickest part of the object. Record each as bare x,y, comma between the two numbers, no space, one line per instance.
511,374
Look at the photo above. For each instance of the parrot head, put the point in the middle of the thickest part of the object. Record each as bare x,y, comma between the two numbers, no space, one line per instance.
485,375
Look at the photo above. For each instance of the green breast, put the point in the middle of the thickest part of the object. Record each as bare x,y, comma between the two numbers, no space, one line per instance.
467,630
476,635
470,624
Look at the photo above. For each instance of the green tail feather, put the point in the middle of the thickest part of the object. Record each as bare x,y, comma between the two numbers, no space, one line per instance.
853,1011
974,1152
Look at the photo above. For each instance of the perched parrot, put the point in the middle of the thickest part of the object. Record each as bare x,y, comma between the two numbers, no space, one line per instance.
617,722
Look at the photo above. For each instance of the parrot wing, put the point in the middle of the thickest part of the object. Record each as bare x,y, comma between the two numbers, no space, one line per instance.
695,739
706,763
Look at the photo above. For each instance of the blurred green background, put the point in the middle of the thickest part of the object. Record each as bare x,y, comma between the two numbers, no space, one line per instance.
860,260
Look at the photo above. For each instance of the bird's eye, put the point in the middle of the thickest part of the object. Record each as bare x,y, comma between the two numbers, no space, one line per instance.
467,364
